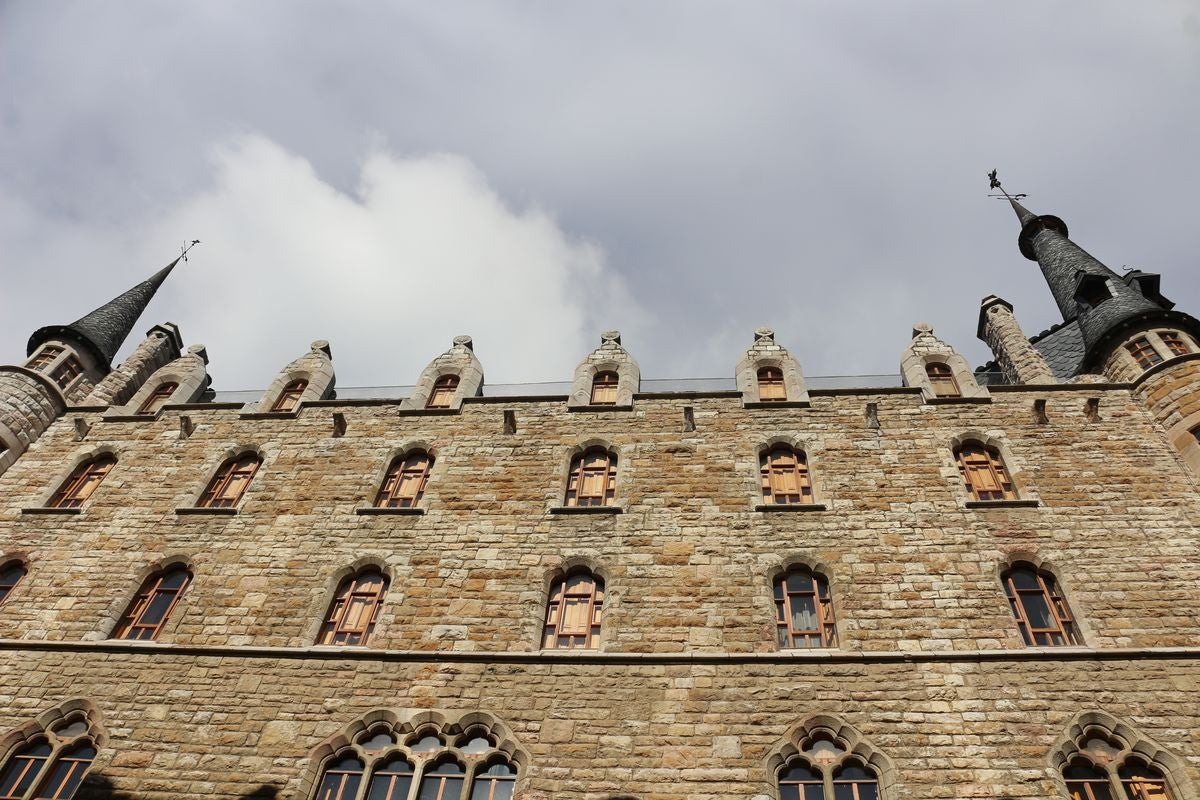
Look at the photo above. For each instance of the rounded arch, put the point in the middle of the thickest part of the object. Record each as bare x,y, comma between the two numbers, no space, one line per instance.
996,444
137,580
785,472
400,484
346,579
80,460
213,467
616,485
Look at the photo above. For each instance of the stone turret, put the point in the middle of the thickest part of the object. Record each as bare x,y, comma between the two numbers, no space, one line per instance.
1019,360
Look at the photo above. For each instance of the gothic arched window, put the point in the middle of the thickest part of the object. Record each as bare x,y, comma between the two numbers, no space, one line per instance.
289,398
147,614
771,388
50,766
1142,782
785,476
825,775
10,575
804,613
226,488
77,488
404,484
604,388
443,782
983,472
157,399
443,392
355,609
941,378
1039,607
497,782
574,612
1087,782
342,779
593,478
44,357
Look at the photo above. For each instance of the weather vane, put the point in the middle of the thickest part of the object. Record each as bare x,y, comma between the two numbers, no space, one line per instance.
183,251
995,184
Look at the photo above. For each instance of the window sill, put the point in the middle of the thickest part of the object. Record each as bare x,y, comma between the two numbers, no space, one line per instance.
1003,503
792,507
201,512
51,510
601,408
378,511
586,510
777,404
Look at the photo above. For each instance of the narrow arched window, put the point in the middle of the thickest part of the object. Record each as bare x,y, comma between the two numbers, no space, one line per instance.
770,385
1143,783
443,782
355,609
10,575
289,398
23,769
593,478
226,488
808,780
494,783
44,358
984,474
574,613
404,484
785,476
1143,352
604,388
66,771
341,779
1087,782
158,398
855,782
76,489
1039,607
941,378
157,597
1175,343
67,371
801,782
443,392
392,780
804,613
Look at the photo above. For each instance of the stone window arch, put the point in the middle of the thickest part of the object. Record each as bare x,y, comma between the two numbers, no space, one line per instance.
824,758
147,614
83,481
592,477
450,378
382,756
1039,606
231,480
157,398
189,374
51,756
937,368
941,378
574,611
12,572
983,471
354,609
771,386
404,483
604,388
804,617
784,475
1100,757
289,396
768,373
609,357
444,389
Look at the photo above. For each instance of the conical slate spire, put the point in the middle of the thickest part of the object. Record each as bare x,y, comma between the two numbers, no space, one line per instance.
103,331
1023,213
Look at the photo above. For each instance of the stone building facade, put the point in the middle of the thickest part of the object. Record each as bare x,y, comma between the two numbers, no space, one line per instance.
469,524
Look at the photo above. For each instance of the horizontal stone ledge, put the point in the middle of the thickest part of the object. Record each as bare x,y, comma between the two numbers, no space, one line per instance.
272,414
428,412
131,417
771,507
383,511
586,510
50,510
1046,655
601,409
197,511
759,404
1003,503
955,401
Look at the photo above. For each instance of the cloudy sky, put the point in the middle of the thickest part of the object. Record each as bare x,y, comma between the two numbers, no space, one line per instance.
387,176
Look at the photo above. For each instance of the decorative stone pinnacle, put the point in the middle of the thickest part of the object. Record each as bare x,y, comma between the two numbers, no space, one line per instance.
464,341
921,328
610,336
322,346
764,335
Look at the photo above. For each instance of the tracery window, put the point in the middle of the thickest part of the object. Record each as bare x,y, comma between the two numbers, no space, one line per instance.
443,392
51,766
1143,352
289,398
145,617
355,609
825,771
574,612
984,474
44,357
804,612
1175,343
771,388
604,388
405,482
941,378
1039,607
82,482
593,478
226,488
10,575
785,476
1104,768
67,371
158,398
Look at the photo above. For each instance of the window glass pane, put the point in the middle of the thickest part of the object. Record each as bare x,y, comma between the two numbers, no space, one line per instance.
799,582
791,792
476,745
174,579
389,787
1038,611
1024,579
852,773
843,791
157,610
804,614
426,744
382,741
801,773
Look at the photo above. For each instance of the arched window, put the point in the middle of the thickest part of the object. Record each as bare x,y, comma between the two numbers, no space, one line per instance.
67,771
226,488
67,371
1175,343
44,358
83,481
158,398
604,388
1141,782
855,782
494,783
574,613
804,613
593,479
770,385
341,779
147,614
10,575
984,474
1143,352
824,775
801,782
289,398
785,477
355,609
1040,609
23,769
443,782
404,484
1086,782
443,392
51,766
941,378
391,780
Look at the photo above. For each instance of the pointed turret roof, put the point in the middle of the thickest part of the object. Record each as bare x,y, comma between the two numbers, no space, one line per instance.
103,331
